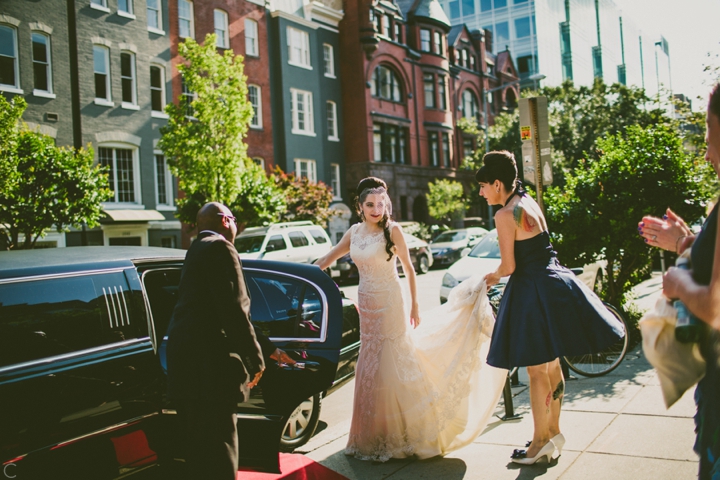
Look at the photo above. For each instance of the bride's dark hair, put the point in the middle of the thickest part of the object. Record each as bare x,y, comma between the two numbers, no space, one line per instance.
374,185
499,165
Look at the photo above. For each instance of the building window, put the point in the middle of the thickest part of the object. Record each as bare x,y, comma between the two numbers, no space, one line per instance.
298,47
446,149
469,105
429,87
468,7
260,162
302,112
255,97
163,181
485,5
189,97
522,27
526,65
398,32
251,38
127,78
386,26
221,29
125,6
329,60
101,66
385,84
42,67
332,121
425,40
154,15
442,92
390,143
120,163
157,88
438,43
186,19
306,169
500,3
99,3
501,36
335,180
464,58
473,66
597,61
468,147
9,74
434,149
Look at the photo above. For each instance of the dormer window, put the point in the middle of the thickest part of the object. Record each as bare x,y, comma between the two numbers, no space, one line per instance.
398,32
386,26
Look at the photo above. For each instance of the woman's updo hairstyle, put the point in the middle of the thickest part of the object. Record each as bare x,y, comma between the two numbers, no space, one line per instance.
377,186
714,104
499,165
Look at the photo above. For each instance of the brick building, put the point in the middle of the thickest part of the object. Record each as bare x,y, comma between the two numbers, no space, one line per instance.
94,73
418,77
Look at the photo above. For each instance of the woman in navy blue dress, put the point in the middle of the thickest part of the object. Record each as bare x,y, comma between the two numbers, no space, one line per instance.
545,312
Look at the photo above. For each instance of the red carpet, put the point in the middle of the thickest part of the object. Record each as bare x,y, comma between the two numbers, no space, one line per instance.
295,467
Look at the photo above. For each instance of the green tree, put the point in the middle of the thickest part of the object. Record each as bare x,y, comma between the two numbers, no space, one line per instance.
204,137
594,216
445,199
49,187
10,115
260,201
305,200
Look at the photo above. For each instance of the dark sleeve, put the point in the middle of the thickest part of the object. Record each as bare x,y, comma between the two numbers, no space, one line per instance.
268,348
233,303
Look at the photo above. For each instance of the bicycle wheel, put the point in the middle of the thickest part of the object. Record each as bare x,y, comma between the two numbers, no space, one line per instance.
597,364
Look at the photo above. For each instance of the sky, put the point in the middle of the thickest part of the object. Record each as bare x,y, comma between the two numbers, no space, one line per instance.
692,29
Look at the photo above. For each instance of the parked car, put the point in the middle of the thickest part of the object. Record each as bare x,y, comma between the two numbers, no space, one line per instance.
485,258
82,388
448,246
420,256
302,242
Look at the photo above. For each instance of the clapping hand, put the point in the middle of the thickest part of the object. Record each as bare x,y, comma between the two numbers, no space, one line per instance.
669,233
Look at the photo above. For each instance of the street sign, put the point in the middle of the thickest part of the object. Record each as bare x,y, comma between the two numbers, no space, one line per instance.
536,150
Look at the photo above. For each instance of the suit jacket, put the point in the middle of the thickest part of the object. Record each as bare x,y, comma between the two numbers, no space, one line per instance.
212,347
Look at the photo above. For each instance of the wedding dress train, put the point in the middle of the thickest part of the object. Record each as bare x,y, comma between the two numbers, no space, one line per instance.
426,391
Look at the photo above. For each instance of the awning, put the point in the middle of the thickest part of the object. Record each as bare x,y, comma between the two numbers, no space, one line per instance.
134,215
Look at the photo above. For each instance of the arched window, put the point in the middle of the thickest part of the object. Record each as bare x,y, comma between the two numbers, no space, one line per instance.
469,105
386,84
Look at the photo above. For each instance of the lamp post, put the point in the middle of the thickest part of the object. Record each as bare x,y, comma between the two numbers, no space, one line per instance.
535,78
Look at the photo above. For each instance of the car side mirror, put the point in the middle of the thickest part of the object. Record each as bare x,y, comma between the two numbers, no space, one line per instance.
465,252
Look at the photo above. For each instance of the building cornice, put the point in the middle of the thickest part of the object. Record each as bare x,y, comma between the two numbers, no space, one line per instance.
325,14
295,19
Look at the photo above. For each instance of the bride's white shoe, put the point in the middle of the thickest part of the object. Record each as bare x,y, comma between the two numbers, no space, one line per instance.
546,451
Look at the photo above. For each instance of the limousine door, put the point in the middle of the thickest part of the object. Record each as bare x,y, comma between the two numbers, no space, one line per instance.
300,309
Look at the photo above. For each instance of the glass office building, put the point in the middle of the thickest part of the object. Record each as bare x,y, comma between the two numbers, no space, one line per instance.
569,39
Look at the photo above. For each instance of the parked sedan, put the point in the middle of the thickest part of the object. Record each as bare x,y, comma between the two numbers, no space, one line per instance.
485,258
448,246
82,389
420,256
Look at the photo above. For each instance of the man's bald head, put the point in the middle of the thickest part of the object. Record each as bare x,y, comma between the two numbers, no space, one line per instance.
218,218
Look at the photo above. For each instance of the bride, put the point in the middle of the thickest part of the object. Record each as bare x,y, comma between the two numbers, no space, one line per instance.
425,391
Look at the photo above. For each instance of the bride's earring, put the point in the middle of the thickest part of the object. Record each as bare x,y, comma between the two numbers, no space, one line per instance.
497,189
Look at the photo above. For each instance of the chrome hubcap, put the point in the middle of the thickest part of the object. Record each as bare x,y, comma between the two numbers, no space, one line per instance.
299,420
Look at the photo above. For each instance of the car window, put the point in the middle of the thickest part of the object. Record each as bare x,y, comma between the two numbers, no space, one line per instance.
284,307
162,288
451,237
298,239
488,247
276,242
249,244
49,317
318,235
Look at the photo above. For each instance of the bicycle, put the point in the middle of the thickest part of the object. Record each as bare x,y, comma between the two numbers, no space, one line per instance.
588,365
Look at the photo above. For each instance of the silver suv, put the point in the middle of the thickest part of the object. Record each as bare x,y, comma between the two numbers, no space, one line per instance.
302,242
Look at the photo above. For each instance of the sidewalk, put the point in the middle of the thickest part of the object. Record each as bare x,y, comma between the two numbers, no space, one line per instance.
616,428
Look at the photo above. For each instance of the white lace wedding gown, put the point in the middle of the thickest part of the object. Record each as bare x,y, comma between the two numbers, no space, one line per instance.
421,392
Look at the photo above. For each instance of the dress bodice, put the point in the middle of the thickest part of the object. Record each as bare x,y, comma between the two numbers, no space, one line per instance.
536,250
368,252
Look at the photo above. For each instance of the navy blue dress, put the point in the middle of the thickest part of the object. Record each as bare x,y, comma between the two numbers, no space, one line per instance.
546,312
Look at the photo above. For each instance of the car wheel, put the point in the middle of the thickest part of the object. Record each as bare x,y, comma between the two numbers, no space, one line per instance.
301,425
423,264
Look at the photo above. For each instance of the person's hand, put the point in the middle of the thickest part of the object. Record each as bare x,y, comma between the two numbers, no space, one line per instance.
281,357
256,379
415,316
668,233
674,279
492,279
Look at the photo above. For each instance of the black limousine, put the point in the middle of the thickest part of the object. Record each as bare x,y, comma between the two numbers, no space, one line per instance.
82,385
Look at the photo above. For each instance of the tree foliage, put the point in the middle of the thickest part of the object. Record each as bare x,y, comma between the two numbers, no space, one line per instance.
260,201
204,137
305,200
638,172
44,186
445,199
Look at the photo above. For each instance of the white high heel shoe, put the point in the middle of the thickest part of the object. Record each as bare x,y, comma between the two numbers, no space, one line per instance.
559,441
546,451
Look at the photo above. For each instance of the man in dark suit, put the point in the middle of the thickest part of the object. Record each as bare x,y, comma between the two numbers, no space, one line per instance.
214,355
